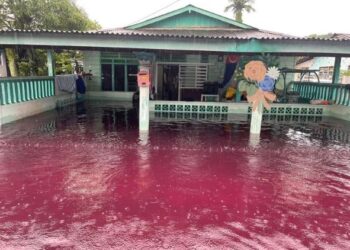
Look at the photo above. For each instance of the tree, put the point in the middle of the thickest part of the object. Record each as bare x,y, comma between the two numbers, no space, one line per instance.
39,14
238,7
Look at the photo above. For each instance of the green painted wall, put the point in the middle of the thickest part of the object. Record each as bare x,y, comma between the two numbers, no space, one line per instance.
189,20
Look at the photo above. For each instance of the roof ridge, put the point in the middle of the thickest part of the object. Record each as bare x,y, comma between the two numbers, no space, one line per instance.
188,8
197,28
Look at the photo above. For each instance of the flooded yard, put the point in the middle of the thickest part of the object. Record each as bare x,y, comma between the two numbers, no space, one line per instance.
86,179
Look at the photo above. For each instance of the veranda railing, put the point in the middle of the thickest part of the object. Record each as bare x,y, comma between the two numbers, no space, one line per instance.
16,90
338,93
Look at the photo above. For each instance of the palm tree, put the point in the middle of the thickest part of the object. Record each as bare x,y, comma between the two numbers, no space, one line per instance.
238,6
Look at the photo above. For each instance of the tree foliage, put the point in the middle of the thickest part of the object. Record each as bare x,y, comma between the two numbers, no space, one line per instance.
44,14
238,7
40,14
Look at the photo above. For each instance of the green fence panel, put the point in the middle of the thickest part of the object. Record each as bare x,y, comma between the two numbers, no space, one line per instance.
338,93
16,90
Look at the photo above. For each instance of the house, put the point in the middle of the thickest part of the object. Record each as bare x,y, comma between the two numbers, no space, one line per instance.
325,65
179,72
325,68
188,48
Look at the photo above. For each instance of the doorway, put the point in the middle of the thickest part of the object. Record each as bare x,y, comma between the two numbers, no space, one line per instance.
168,82
106,77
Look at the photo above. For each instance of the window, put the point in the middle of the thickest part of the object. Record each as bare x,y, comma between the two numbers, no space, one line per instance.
326,73
119,75
132,77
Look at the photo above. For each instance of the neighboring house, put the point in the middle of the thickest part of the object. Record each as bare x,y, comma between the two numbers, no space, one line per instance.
178,74
325,65
3,68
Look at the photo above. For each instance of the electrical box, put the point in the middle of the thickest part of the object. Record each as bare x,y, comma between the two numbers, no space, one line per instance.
144,78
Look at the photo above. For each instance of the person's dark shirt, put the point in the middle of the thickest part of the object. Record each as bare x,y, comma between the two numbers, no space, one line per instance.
81,89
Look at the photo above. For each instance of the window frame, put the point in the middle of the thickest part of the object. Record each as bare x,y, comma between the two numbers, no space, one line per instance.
117,61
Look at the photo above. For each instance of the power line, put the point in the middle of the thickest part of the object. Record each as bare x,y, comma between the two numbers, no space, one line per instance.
171,4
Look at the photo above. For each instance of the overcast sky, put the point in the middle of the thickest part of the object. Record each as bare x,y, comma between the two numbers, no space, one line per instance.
295,17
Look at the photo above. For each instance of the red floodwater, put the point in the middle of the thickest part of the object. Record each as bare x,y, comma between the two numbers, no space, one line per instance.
74,182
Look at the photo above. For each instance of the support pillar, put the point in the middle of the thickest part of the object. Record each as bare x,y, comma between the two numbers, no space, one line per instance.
144,108
256,120
336,71
144,79
3,67
50,64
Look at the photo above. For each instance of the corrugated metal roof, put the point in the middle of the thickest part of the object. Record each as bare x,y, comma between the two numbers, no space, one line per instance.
340,36
213,33
234,34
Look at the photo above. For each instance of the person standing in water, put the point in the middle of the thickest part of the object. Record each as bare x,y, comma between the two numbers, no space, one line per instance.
80,92
80,86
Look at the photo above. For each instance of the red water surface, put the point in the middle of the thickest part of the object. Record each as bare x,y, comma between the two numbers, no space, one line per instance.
74,182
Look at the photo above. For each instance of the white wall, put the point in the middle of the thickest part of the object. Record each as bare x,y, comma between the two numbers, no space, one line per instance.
92,61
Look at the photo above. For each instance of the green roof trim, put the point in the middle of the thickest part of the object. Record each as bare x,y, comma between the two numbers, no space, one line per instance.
189,9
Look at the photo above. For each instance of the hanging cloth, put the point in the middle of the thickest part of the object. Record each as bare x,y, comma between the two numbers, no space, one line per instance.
230,68
66,83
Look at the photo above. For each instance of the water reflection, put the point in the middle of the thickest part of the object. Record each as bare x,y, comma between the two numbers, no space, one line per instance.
143,178
254,140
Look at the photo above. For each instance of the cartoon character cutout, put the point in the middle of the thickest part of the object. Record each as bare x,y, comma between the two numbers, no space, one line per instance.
265,79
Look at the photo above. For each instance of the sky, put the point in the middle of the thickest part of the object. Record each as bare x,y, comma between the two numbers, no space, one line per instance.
294,17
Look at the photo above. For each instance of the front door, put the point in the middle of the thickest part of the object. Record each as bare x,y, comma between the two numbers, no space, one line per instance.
170,82
119,77
107,77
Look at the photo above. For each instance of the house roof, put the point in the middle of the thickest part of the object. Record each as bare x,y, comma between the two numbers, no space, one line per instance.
189,16
189,22
232,41
340,36
304,59
186,29
206,33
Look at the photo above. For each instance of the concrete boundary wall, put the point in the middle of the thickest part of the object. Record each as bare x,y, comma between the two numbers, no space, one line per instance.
17,111
339,112
244,108
13,112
